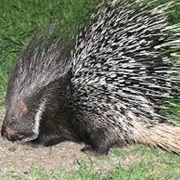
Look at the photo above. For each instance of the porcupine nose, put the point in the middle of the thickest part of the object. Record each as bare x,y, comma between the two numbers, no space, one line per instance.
10,134
7,133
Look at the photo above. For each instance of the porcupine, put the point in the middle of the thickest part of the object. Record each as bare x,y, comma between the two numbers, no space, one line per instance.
106,91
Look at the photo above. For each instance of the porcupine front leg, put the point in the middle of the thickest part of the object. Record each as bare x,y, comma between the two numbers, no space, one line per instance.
100,142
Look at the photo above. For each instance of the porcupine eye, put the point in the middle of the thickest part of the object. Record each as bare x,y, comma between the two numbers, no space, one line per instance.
13,118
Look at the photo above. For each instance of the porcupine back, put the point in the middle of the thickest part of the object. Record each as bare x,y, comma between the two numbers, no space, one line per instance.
123,69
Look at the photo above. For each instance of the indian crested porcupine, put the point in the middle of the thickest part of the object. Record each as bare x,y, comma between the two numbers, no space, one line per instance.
108,90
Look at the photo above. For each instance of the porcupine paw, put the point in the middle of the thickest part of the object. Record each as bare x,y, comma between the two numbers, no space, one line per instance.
33,143
88,150
94,151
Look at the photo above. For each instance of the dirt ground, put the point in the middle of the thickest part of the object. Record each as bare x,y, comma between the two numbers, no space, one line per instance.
17,159
20,158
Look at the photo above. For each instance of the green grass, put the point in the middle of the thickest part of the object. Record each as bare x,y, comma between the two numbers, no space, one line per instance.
19,19
139,163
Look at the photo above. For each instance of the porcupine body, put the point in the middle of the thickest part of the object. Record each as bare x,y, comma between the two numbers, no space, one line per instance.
108,91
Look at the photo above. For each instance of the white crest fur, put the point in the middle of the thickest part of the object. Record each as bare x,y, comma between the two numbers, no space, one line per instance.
38,116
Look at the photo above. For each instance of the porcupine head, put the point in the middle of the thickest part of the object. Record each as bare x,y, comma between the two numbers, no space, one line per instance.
35,82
